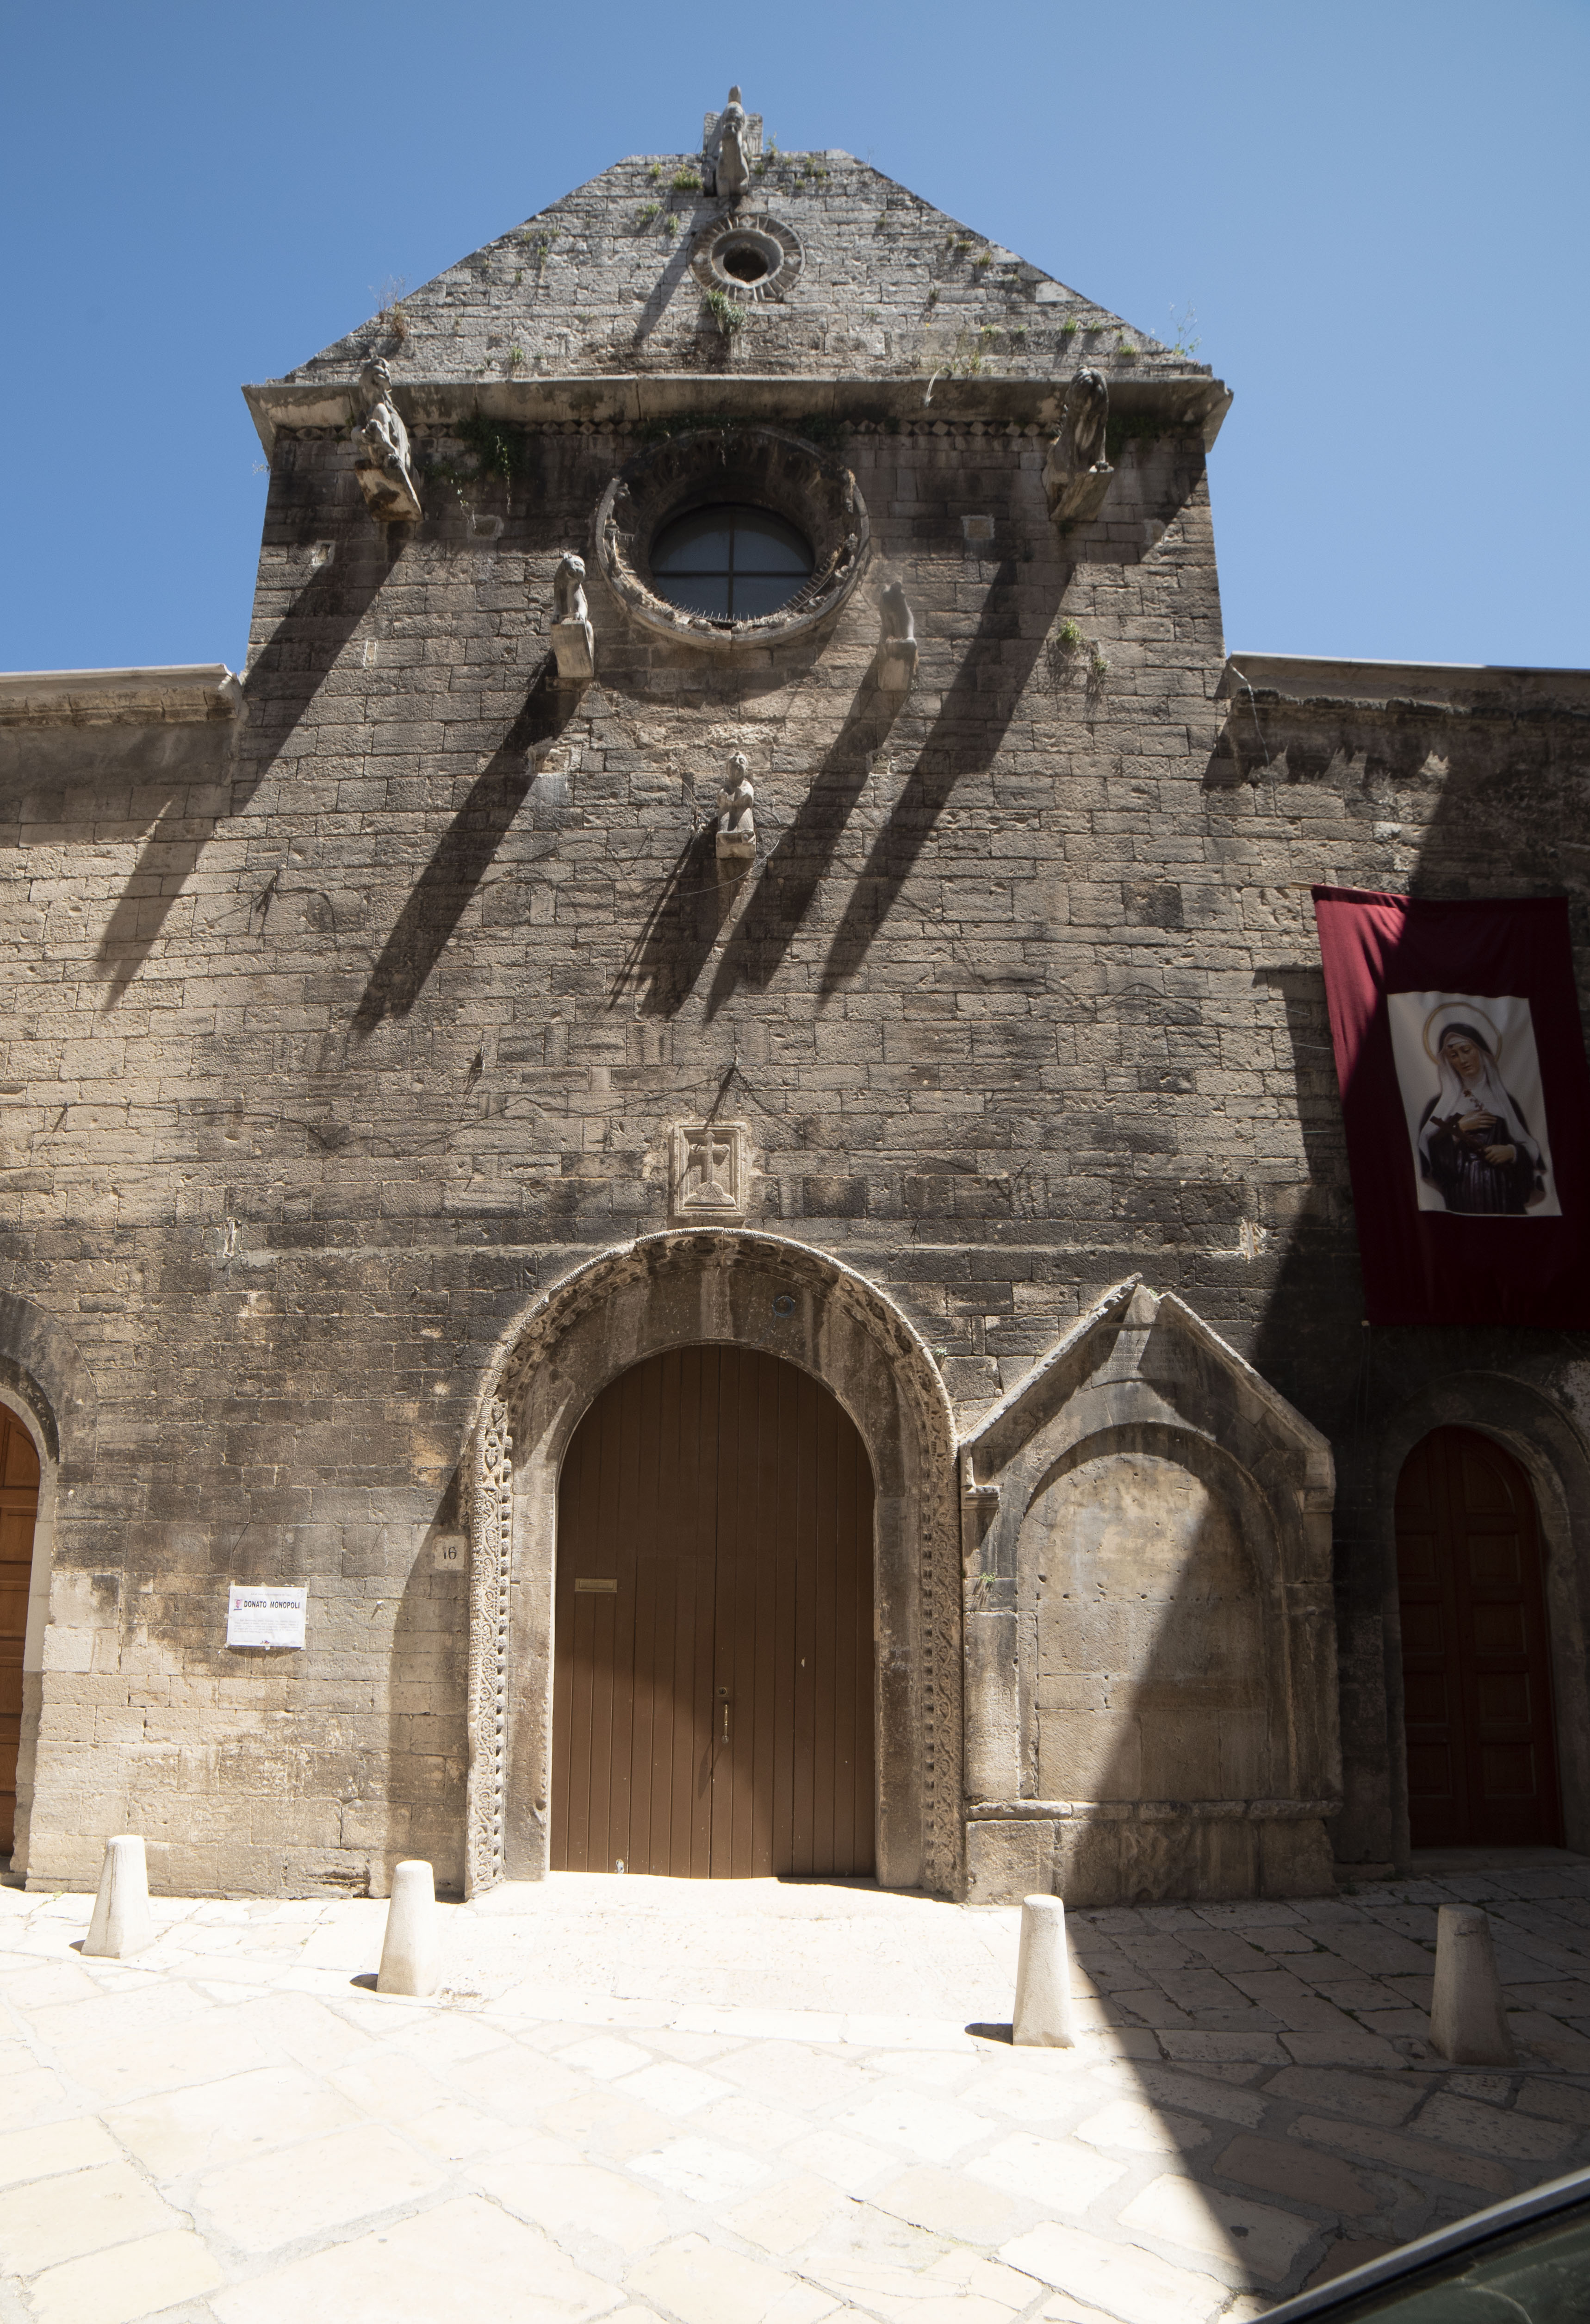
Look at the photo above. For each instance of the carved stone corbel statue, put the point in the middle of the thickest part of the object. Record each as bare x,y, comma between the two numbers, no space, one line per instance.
383,466
732,164
1076,474
573,642
736,819
896,662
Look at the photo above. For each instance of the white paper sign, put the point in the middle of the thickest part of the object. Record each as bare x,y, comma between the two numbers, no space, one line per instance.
261,1616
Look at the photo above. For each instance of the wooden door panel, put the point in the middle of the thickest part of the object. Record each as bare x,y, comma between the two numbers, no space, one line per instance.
712,1710
1481,1767
19,1506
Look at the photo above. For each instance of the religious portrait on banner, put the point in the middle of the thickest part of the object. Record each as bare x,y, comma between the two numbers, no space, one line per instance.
1469,1074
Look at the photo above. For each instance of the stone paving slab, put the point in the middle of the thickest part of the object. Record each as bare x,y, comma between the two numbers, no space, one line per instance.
757,2103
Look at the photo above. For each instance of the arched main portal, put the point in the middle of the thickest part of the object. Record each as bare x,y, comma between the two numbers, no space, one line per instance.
1477,1664
712,1692
756,1292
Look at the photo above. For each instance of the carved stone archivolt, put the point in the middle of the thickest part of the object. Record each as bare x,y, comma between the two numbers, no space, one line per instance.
754,1290
490,1542
768,469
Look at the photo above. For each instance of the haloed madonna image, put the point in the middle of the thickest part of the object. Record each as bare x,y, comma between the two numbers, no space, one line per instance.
1470,1080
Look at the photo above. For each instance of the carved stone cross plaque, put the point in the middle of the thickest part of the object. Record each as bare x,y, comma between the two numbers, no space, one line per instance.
709,1171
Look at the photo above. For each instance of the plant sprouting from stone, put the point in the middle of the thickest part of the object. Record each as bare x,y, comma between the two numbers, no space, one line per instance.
389,313
647,212
1186,340
685,181
727,313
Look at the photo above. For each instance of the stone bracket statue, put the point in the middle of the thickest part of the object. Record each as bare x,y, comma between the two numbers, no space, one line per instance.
895,662
736,817
573,641
383,465
730,156
1076,474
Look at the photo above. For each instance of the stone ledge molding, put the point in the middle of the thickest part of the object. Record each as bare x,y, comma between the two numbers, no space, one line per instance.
183,694
692,1287
1189,400
1306,681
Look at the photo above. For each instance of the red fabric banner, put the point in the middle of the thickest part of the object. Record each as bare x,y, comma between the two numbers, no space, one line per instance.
1466,1102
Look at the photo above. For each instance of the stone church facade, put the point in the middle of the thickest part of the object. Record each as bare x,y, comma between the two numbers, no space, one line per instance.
502,1098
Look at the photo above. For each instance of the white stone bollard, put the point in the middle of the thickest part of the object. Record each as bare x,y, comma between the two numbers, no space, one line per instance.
1043,2018
122,1923
410,1956
1467,2024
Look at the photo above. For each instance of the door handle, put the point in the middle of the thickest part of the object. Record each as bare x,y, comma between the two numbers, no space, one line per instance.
723,1696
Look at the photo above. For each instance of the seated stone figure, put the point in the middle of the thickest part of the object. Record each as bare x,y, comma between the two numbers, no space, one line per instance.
736,819
573,641
897,639
1076,474
1087,415
568,589
385,468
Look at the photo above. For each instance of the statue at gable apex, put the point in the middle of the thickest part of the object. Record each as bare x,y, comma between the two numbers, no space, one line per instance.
384,466
731,160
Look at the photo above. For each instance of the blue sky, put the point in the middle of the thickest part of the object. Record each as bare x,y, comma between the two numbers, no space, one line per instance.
1378,213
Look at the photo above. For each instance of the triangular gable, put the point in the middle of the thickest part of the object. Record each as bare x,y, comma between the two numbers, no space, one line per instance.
601,282
1136,1339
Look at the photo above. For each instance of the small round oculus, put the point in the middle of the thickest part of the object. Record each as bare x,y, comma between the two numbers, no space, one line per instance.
748,259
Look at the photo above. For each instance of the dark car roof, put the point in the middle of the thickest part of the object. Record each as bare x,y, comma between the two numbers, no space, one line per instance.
1479,2228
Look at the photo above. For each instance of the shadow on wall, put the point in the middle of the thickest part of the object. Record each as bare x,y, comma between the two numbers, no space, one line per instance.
789,879
279,688
464,854
964,741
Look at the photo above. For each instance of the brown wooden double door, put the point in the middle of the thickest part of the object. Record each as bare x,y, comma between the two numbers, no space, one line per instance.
712,1697
1482,1758
19,1508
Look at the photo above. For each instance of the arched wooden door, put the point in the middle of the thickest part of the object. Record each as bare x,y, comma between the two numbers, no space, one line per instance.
712,1697
19,1508
1481,1755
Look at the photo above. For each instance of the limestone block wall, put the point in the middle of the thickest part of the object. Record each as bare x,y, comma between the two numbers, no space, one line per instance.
340,1029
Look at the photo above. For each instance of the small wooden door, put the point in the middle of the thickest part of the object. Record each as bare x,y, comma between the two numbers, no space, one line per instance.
712,1695
1481,1757
19,1506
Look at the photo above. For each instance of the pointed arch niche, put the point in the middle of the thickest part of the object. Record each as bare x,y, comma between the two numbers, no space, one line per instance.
670,1291
1151,1656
